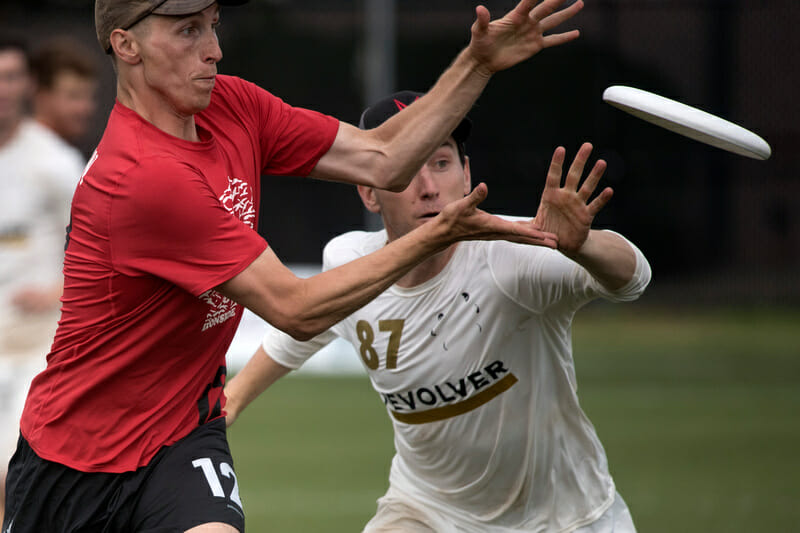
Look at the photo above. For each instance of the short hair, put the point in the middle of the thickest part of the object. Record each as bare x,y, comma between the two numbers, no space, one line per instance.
62,54
12,43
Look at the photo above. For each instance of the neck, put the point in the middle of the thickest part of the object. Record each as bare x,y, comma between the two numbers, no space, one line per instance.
8,129
158,113
44,120
428,268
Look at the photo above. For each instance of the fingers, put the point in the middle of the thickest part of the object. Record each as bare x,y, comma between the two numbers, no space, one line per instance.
600,202
576,168
575,172
554,18
482,19
592,180
525,232
477,195
556,165
528,233
557,39
525,6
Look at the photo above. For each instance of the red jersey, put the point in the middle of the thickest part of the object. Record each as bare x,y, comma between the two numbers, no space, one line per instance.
157,222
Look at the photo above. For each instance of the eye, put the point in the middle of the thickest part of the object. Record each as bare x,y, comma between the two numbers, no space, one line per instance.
441,164
189,30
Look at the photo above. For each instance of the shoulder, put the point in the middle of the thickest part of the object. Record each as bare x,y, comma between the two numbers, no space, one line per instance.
49,140
237,93
51,152
350,246
225,84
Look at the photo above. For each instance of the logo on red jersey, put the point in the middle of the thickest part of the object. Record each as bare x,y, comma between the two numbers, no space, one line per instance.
237,200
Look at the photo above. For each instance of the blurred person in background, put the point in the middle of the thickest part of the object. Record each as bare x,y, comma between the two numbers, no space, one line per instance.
125,427
471,354
65,94
38,174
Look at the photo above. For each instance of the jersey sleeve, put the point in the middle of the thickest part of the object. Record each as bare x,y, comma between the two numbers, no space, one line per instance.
170,224
539,278
291,139
290,352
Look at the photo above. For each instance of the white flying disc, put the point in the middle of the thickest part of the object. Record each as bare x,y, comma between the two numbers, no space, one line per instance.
688,121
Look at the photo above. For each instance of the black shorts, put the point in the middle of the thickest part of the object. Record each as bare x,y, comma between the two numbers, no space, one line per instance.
185,485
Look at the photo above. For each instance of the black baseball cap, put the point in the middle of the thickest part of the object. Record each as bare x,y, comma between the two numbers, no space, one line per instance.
112,14
382,110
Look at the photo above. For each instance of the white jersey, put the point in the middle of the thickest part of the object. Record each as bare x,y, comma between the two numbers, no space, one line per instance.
38,174
475,369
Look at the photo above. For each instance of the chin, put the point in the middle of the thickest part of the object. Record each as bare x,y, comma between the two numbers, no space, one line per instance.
199,105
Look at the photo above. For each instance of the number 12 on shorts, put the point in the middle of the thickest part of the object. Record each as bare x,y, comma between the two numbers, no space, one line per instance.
214,483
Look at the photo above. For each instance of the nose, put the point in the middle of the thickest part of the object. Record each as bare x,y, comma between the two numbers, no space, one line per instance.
213,53
426,184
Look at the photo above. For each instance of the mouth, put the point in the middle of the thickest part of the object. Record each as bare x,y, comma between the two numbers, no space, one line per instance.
206,79
428,215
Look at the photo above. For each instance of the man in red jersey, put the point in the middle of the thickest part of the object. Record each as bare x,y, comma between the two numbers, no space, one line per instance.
125,428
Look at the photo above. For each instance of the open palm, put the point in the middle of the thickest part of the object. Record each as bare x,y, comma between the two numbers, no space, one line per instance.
502,43
566,210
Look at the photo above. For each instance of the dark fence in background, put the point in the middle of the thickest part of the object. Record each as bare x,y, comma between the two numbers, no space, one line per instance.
717,227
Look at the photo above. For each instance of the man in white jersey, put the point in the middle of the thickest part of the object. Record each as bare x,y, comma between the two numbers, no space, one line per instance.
471,354
66,79
38,173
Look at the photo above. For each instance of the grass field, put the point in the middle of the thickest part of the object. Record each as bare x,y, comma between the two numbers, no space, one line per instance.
699,413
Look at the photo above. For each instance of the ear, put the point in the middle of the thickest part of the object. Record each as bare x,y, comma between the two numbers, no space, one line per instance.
467,177
369,198
125,46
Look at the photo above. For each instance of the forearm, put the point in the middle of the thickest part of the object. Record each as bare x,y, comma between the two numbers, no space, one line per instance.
608,258
304,308
388,156
329,297
258,374
412,136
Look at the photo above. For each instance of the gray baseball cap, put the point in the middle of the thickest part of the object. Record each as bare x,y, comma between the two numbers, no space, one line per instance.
112,14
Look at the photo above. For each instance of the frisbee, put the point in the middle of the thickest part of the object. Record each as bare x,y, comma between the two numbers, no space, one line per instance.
688,121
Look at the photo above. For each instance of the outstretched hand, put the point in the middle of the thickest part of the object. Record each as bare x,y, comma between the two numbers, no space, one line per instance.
500,44
464,221
566,211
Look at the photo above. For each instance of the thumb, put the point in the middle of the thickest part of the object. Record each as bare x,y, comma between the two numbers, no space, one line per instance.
478,195
482,18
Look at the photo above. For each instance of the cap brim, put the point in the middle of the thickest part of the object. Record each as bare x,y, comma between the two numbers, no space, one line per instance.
187,7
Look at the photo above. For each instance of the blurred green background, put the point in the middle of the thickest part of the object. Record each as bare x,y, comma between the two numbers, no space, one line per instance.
697,410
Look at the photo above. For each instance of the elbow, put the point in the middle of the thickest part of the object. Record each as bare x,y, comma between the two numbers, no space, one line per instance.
397,183
390,177
385,165
303,334
299,327
391,180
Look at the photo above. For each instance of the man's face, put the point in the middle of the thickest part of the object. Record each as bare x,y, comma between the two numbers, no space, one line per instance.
179,58
443,179
15,85
68,105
